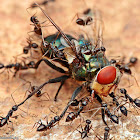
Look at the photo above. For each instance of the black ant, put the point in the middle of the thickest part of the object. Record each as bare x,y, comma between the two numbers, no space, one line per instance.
85,22
18,66
106,133
122,108
72,115
87,11
85,131
36,23
126,67
49,125
135,101
96,50
4,120
31,45
45,2
38,93
105,110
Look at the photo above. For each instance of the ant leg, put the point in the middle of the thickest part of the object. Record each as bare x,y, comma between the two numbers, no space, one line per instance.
49,64
62,83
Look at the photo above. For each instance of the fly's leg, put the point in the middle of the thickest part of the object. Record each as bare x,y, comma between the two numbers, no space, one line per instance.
75,93
49,64
62,83
55,68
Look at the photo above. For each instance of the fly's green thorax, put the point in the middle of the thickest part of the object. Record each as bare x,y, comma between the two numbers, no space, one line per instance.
92,64
82,68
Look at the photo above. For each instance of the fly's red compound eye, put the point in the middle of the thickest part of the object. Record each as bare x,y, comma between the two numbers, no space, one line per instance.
107,75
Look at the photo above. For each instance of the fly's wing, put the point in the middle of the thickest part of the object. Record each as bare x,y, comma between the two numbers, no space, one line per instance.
93,27
98,27
93,33
90,34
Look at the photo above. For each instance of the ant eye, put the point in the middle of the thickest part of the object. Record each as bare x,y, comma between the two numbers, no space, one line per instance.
107,75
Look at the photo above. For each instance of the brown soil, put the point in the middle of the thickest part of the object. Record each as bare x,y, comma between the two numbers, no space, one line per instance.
121,38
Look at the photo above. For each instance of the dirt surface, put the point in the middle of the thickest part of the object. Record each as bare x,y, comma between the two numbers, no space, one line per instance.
121,38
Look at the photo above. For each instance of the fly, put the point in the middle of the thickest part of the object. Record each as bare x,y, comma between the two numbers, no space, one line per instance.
85,61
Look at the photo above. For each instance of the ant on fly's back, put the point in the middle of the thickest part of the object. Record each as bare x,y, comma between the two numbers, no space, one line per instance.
85,62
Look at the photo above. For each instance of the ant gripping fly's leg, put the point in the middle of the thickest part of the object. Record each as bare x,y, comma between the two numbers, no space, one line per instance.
105,110
125,67
36,23
72,115
122,108
44,127
3,121
38,93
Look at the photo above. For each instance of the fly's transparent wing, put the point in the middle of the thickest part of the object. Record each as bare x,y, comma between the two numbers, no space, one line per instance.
91,24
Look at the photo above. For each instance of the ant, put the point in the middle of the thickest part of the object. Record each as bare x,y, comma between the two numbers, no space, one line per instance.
135,101
96,50
105,110
106,133
4,120
31,45
72,115
85,131
125,67
17,66
85,22
122,108
87,11
49,125
45,2
36,23
38,93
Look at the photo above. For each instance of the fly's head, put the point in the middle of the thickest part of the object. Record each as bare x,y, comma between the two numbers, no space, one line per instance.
107,78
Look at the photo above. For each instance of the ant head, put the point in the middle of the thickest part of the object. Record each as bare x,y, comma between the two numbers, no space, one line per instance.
133,60
80,21
88,121
107,129
105,80
1,66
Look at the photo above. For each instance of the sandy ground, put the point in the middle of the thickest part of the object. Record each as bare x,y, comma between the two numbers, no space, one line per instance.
121,38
